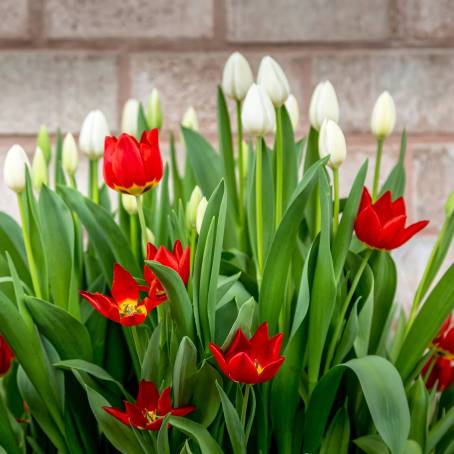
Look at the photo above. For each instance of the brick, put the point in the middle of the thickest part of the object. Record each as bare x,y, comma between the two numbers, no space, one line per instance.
426,19
14,14
56,89
419,83
306,20
190,79
129,19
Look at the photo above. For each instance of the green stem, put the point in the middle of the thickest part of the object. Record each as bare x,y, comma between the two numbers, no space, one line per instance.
279,167
258,205
377,169
137,344
241,175
29,249
247,389
192,247
133,234
336,200
143,225
72,182
335,337
94,188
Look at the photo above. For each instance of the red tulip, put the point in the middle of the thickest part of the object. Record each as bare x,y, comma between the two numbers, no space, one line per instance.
124,306
178,261
130,166
251,361
381,225
6,356
150,408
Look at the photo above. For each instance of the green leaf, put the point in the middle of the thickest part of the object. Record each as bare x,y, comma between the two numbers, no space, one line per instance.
163,437
312,207
338,434
184,371
290,164
371,444
244,320
142,124
419,409
178,193
396,179
11,435
439,429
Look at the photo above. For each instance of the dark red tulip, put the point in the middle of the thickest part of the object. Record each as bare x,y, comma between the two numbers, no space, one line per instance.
178,260
6,356
124,306
251,361
150,408
130,166
381,225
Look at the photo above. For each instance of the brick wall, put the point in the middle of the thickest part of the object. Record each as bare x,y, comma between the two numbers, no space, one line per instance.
61,58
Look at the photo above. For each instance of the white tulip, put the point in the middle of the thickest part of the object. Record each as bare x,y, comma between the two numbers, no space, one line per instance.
383,117
39,169
273,79
323,105
191,207
70,155
14,168
293,110
92,134
237,77
332,142
190,119
201,214
129,203
154,113
258,116
130,117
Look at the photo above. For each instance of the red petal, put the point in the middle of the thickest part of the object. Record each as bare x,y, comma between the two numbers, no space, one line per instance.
275,345
164,402
367,227
240,343
261,335
109,149
178,250
147,396
444,372
150,303
151,251
116,413
409,232
103,304
151,155
366,200
391,232
383,208
242,369
185,265
447,343
155,425
135,414
124,286
270,370
398,207
219,357
182,411
132,320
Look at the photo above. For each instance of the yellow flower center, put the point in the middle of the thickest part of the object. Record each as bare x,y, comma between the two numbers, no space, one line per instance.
151,416
258,367
130,307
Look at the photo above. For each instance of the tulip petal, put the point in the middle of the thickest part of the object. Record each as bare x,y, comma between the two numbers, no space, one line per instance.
219,357
366,200
409,232
383,208
398,207
271,369
124,286
242,369
151,155
132,320
182,411
155,425
391,232
136,417
109,148
164,402
103,304
367,226
240,343
118,414
148,395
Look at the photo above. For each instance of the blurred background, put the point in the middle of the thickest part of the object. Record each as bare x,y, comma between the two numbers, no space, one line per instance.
61,58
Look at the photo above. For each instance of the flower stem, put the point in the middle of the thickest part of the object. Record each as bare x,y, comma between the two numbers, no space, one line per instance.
377,169
94,188
241,175
192,242
279,167
258,204
29,249
137,344
247,389
143,225
72,182
336,200
133,234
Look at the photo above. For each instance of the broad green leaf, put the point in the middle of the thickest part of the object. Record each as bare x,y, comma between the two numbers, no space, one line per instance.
244,320
338,434
153,361
440,429
418,401
312,207
142,124
162,230
163,437
396,179
178,193
11,435
371,444
184,372
290,164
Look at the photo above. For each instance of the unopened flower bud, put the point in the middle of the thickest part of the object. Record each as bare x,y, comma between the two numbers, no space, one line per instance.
273,79
70,155
383,117
150,236
130,117
201,214
293,110
39,169
323,105
154,112
44,143
258,115
92,134
129,203
237,77
191,207
332,142
14,168
190,119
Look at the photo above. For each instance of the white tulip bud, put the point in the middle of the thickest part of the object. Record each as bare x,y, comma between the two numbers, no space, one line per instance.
191,207
130,117
44,142
39,169
14,168
150,236
258,116
383,117
129,203
190,119
323,105
92,134
237,77
154,112
201,214
273,79
332,142
293,111
70,155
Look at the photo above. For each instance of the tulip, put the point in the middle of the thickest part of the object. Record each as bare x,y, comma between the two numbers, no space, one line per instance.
383,117
154,113
190,119
129,203
6,356
258,117
124,306
237,77
250,361
273,79
191,207
14,168
70,155
293,111
92,134
201,208
323,105
178,260
331,142
381,225
150,408
131,167
130,117
44,143
39,169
